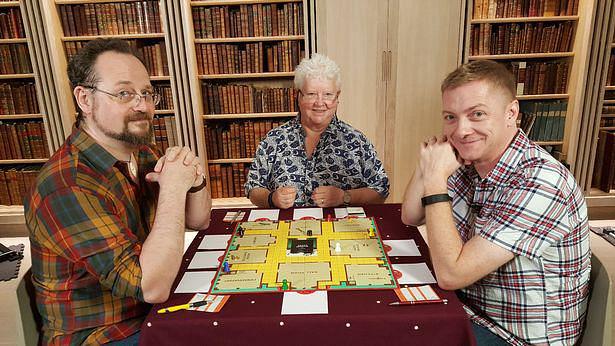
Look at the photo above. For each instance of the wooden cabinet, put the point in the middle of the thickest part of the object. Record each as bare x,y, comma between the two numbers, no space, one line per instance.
393,56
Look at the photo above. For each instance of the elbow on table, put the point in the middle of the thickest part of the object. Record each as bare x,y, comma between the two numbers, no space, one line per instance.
409,219
450,282
156,295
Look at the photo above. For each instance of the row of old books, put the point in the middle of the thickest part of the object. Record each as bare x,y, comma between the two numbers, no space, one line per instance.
233,98
487,9
10,24
15,58
236,139
153,54
134,17
166,96
253,20
604,167
256,57
610,76
540,77
227,180
18,98
23,140
164,132
548,120
521,38
607,121
15,183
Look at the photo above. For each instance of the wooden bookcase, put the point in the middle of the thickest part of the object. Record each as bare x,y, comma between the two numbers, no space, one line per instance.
141,23
24,140
540,46
243,55
602,190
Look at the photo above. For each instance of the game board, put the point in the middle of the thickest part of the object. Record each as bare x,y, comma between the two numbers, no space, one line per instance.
270,256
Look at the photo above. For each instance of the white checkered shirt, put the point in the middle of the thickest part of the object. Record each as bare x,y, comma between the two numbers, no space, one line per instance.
530,205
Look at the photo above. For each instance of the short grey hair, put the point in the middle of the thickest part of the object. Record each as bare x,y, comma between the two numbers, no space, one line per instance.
319,66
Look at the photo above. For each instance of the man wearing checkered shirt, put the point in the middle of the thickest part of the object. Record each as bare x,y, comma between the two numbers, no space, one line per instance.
513,236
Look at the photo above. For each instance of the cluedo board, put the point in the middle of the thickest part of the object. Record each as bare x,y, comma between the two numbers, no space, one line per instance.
270,256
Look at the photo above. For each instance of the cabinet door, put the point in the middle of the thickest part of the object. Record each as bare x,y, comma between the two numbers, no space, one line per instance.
354,34
426,46
393,55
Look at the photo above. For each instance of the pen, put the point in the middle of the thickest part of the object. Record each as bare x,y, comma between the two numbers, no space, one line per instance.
417,302
183,306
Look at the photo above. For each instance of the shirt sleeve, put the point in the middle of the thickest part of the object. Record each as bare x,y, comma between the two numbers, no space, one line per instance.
84,227
530,217
373,171
259,174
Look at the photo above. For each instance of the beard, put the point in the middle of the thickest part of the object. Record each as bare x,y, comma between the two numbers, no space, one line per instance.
126,135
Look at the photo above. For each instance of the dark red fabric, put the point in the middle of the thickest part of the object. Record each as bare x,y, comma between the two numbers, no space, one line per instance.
355,317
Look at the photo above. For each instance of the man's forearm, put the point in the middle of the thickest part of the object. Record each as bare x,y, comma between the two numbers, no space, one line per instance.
445,244
412,211
163,249
198,209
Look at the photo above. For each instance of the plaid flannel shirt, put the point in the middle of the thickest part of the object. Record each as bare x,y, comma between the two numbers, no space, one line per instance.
87,223
530,205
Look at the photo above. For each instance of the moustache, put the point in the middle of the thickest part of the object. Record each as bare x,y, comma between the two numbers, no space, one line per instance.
137,116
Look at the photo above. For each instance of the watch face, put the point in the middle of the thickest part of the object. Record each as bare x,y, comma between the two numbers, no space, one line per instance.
346,197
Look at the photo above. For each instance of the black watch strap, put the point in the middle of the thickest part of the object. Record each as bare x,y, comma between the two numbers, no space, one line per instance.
437,198
199,187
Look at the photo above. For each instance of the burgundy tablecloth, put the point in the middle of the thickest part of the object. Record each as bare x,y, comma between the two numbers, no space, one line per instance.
355,317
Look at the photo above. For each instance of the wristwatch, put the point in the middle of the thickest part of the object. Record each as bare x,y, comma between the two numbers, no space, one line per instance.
346,198
200,186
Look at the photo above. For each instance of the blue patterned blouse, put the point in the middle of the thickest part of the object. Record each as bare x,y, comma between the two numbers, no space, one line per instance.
343,157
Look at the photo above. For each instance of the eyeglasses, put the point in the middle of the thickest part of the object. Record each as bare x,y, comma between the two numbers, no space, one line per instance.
125,97
325,97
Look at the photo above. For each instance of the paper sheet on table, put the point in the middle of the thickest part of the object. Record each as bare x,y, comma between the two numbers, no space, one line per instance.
215,242
300,213
193,282
205,260
216,302
414,273
341,213
269,214
232,216
295,303
419,293
405,247
356,211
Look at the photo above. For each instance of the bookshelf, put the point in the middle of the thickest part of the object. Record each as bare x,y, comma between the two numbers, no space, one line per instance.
244,54
536,40
140,23
24,144
603,179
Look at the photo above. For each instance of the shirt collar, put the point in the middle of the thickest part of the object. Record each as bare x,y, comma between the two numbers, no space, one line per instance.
93,152
507,164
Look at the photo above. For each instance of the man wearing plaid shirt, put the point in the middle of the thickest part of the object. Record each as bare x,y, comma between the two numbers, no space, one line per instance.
107,215
514,236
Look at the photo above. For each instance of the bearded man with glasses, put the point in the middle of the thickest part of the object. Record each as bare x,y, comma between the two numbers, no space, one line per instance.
108,212
316,159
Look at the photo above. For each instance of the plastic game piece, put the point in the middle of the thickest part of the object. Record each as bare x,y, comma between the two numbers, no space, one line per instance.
371,232
284,285
338,247
240,232
309,232
225,267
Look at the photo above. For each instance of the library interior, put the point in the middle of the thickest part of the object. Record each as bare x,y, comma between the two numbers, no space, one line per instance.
224,72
